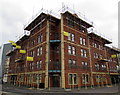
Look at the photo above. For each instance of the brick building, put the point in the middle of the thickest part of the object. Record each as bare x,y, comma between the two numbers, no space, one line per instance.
64,55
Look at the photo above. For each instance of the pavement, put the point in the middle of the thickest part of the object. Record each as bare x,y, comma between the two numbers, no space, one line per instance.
15,90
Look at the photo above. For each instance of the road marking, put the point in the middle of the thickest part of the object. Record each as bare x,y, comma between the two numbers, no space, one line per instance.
3,92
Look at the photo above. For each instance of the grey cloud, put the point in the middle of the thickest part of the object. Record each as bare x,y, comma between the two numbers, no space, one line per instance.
12,18
15,13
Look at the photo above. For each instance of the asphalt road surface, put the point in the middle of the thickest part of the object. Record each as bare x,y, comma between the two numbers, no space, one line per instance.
13,90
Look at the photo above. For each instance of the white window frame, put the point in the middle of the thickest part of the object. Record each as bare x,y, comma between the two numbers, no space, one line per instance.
69,36
70,63
72,77
73,37
74,62
40,64
84,41
81,42
73,50
40,38
82,53
69,49
38,50
85,53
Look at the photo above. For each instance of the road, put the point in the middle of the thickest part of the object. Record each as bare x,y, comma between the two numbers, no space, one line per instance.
12,90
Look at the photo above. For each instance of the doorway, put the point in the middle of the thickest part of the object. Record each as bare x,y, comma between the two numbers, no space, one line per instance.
55,81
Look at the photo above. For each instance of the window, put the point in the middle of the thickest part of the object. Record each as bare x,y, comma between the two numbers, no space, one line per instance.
32,53
96,55
72,79
103,67
70,63
97,66
39,64
85,78
83,53
22,78
34,78
100,56
39,51
98,78
30,78
38,76
95,45
40,38
104,78
82,41
74,63
71,50
99,47
71,37
84,65
70,22
33,42
31,66
75,78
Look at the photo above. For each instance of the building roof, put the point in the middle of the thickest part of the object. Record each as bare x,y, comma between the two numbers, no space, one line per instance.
38,18
22,39
79,18
44,15
34,21
117,50
92,34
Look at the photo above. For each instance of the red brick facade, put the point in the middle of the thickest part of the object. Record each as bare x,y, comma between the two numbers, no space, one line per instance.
87,61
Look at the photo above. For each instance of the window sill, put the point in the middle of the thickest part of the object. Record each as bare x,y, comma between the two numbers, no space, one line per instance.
72,84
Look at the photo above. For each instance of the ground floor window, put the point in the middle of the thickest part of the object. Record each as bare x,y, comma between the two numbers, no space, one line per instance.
104,78
98,78
21,78
72,79
34,78
101,78
85,78
29,78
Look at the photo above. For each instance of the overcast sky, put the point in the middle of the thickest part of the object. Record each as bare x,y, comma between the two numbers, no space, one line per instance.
14,14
